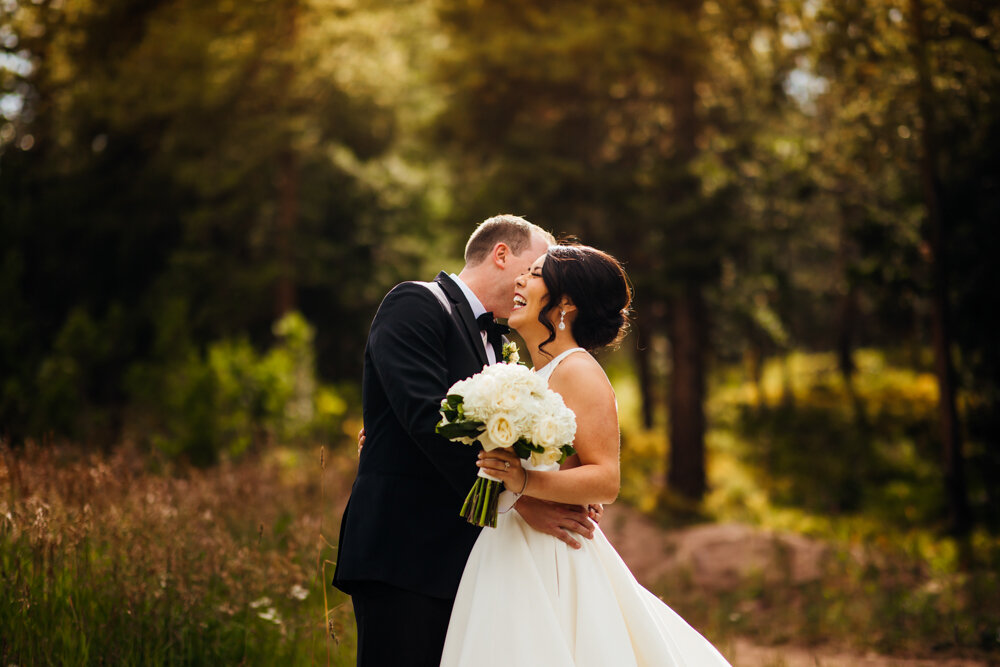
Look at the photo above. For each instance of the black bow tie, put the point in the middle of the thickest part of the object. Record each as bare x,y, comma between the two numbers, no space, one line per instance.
494,330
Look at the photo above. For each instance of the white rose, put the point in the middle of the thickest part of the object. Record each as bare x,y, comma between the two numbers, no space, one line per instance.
509,399
510,388
545,459
500,432
510,353
479,397
548,431
460,388
511,373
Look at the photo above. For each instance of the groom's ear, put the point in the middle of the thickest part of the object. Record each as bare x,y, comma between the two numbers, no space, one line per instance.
501,253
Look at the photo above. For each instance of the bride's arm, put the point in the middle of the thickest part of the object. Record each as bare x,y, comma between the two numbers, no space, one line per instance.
585,389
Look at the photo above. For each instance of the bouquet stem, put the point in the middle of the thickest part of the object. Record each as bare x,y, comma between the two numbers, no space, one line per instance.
480,507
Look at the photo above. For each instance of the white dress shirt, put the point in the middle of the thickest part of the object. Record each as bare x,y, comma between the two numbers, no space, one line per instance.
477,309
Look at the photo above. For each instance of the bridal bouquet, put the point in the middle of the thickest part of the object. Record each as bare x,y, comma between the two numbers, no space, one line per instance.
506,405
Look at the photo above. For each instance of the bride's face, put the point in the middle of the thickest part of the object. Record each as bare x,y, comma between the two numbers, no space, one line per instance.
530,296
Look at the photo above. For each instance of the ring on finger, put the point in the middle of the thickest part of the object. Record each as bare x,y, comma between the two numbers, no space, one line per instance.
506,465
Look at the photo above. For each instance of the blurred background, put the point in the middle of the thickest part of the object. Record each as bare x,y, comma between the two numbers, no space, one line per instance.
203,202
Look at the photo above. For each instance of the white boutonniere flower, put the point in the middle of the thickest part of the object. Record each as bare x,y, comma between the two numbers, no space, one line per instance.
510,354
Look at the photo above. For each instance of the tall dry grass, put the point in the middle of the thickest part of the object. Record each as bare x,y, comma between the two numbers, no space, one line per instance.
104,561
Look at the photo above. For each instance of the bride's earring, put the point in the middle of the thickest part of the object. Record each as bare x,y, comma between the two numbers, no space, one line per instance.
562,320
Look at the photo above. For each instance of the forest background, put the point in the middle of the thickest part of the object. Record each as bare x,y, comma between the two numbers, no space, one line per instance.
202,204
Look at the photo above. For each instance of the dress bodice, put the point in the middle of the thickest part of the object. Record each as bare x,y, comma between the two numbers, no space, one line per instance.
546,371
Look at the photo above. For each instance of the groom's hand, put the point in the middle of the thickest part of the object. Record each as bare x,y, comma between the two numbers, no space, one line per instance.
558,520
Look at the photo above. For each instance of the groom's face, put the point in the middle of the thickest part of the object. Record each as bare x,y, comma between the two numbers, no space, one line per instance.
515,266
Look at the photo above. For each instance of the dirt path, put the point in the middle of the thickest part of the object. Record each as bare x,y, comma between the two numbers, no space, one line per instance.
746,654
718,557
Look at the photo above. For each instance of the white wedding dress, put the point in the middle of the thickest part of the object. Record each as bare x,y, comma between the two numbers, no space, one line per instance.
527,599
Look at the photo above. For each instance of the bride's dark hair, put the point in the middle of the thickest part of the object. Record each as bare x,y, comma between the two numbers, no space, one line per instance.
596,284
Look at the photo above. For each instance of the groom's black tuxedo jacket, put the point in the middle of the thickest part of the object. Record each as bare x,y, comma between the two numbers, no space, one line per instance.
402,525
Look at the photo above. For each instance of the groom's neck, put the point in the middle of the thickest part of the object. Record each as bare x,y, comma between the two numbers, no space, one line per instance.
480,280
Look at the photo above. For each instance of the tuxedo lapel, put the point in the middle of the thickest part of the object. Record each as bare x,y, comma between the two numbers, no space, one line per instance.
454,293
498,348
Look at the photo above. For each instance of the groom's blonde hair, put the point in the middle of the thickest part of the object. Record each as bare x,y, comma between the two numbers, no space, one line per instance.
513,230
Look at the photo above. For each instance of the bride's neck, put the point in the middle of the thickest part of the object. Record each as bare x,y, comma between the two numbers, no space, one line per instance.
539,357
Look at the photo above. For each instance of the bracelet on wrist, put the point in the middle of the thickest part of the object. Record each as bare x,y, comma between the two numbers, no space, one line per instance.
525,485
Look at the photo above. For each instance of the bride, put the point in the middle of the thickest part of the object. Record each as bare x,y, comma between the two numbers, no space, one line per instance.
527,598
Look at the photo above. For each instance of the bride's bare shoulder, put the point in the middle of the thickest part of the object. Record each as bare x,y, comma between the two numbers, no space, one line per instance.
579,375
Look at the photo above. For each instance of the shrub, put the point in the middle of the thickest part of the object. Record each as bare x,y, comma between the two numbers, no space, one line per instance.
232,399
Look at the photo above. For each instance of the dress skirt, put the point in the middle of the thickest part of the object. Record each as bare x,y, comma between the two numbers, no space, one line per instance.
527,598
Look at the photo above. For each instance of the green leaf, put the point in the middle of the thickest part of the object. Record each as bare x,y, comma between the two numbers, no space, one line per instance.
523,448
567,451
451,407
455,430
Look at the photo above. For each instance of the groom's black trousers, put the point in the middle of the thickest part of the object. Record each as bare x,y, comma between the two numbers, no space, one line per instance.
398,627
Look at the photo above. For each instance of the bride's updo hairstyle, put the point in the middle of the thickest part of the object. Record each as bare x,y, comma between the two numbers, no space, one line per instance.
596,284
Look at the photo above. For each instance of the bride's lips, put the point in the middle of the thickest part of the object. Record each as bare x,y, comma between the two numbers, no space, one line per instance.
519,301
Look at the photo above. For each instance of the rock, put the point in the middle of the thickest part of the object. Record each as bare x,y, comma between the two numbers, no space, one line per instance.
716,556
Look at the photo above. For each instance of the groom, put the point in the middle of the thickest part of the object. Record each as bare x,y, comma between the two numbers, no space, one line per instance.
403,545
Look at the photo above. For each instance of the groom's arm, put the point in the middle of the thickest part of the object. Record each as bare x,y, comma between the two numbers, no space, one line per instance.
407,346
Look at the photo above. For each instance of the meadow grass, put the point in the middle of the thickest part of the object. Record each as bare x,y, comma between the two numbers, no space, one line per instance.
103,561
122,558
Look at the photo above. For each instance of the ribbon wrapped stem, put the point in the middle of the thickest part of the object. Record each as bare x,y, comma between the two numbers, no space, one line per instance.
481,504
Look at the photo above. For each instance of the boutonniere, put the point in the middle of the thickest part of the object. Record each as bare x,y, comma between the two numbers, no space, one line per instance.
509,353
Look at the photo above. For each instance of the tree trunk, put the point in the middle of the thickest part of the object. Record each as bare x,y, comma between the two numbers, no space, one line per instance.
847,310
847,315
687,320
958,506
753,363
287,183
643,362
287,216
688,336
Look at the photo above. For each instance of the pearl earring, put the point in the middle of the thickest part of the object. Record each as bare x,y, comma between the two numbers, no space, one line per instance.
562,320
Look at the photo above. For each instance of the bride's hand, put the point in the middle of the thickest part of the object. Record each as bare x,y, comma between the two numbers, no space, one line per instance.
505,466
595,512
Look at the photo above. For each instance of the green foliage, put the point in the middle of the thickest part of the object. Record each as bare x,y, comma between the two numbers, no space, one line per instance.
232,399
819,447
799,449
199,153
70,383
569,112
63,375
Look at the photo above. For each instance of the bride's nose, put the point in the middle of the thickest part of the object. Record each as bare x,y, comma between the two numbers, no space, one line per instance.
520,280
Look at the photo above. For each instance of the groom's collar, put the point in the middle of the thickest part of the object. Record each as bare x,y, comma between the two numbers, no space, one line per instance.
465,300
477,306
